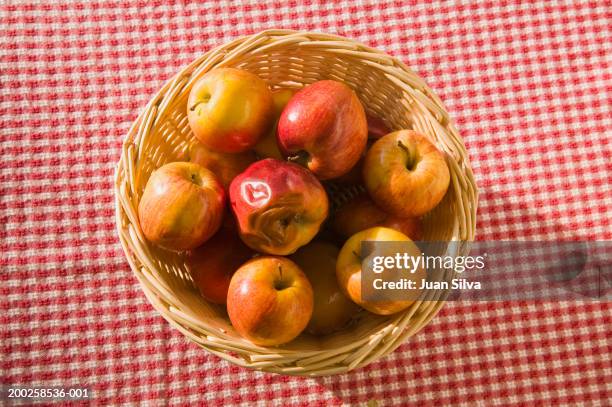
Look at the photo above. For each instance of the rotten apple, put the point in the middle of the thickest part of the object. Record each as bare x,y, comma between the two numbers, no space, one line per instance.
279,206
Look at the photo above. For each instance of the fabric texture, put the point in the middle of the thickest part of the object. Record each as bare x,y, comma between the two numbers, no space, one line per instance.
528,85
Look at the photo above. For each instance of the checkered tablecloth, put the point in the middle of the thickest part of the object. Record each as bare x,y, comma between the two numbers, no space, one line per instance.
528,84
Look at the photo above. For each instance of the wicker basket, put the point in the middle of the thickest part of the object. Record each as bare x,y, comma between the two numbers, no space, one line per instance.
161,134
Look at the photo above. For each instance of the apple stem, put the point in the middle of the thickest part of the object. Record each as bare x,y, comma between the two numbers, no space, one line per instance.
280,271
357,255
412,160
204,100
301,158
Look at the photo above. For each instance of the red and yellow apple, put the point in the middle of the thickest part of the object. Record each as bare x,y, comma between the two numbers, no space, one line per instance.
349,268
225,166
324,128
332,309
213,264
269,301
405,174
229,109
362,213
279,206
182,206
267,147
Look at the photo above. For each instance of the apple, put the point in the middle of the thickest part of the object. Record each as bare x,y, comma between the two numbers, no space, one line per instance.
323,128
376,127
224,165
362,213
229,109
348,268
213,264
279,206
182,206
332,309
269,301
267,147
405,174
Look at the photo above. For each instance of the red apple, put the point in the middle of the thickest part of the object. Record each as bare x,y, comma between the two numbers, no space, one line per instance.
229,109
376,127
267,147
224,165
332,309
181,206
279,206
348,269
405,174
324,129
213,264
362,213
269,300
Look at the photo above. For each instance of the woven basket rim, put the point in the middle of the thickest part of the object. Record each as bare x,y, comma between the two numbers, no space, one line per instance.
243,353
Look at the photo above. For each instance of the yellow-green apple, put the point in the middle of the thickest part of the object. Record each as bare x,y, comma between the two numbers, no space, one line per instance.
267,147
376,127
405,174
323,128
269,300
224,165
182,206
362,213
279,206
229,109
332,309
349,267
213,264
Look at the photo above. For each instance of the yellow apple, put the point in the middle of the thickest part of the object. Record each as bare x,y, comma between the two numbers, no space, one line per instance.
267,147
332,309
230,109
348,268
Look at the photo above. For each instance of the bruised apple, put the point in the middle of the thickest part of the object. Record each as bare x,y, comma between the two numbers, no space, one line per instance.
362,213
332,309
324,128
182,206
224,165
213,264
269,301
267,147
348,268
405,174
229,109
279,206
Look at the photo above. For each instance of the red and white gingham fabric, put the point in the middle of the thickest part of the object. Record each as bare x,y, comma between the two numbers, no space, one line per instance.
528,84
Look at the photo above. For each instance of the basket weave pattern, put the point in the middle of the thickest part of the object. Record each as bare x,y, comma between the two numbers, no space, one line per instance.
161,134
